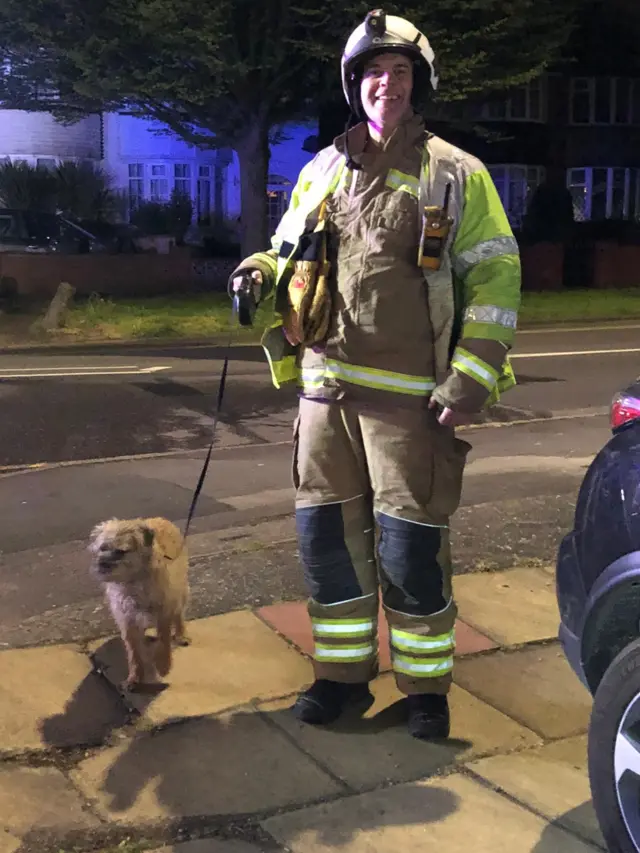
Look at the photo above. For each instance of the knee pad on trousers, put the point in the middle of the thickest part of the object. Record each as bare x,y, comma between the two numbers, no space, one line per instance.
412,576
328,568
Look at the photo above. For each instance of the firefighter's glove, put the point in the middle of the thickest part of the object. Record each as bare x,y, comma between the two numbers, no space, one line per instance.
246,289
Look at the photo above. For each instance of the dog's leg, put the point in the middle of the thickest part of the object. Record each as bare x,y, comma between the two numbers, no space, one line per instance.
163,646
133,639
180,630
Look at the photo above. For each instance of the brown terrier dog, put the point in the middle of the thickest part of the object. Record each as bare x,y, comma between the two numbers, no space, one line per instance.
143,566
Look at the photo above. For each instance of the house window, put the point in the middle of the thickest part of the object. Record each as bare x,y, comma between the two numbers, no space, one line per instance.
604,193
515,184
604,100
204,194
526,103
136,185
159,184
48,163
182,178
277,201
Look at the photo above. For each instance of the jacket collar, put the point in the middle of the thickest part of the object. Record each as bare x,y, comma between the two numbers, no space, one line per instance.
409,132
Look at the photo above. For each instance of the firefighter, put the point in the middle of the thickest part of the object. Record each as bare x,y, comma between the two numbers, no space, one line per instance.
395,284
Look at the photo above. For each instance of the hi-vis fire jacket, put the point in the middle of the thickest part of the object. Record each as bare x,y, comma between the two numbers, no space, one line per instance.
460,355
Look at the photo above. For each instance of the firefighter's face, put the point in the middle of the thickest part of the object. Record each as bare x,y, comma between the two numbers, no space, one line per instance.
386,90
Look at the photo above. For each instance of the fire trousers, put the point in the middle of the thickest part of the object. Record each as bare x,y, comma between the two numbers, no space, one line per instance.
378,485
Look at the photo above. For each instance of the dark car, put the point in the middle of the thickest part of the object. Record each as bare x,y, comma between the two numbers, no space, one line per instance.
598,590
46,233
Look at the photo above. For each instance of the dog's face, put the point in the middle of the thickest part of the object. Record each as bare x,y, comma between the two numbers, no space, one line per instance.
121,550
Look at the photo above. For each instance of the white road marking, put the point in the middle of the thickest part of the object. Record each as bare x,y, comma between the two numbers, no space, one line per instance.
556,330
62,372
573,352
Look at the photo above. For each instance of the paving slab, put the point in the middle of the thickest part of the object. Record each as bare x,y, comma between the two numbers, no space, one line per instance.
9,843
290,619
35,798
552,780
391,754
234,658
455,815
51,697
534,686
233,764
512,607
208,845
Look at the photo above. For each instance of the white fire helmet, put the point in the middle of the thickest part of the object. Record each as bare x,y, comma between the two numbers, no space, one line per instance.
380,33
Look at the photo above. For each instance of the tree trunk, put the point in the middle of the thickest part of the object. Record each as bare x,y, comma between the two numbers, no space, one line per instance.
253,156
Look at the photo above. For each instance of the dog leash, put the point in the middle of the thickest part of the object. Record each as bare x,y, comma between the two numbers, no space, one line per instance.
216,418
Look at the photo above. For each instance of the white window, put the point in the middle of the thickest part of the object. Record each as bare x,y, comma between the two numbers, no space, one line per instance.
604,100
515,184
604,193
204,194
182,178
136,185
526,103
277,201
159,184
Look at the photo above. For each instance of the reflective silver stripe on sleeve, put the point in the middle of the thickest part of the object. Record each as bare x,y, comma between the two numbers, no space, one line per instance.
484,251
491,314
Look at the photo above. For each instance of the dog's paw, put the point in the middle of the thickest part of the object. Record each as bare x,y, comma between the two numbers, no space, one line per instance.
183,640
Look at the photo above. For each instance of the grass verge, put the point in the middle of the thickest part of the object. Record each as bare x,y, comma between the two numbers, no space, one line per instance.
166,317
206,316
577,306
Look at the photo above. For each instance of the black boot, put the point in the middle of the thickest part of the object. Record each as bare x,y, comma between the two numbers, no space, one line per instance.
325,701
429,716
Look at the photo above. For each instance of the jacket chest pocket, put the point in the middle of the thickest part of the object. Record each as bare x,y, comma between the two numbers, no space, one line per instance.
398,212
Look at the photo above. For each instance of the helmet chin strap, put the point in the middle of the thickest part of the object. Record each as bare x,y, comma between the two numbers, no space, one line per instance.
353,119
351,163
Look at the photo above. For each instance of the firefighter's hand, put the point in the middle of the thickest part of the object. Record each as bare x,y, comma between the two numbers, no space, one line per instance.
447,417
249,281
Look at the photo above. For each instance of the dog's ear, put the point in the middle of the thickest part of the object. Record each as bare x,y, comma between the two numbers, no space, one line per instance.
147,536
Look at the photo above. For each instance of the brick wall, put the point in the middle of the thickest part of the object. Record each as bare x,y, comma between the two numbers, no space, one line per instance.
115,275
153,274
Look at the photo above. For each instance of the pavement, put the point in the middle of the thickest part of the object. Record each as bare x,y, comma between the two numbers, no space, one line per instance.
216,763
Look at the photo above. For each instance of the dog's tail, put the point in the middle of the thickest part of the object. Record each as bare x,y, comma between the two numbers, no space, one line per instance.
163,648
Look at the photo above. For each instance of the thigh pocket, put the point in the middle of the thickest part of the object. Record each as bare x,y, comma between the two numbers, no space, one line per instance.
449,458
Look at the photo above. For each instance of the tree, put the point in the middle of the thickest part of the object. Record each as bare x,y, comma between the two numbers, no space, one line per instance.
224,73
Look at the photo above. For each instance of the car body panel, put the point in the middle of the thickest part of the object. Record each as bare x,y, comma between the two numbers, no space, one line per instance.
602,552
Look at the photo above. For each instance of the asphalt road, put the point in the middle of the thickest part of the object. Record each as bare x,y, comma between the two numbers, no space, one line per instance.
519,493
68,406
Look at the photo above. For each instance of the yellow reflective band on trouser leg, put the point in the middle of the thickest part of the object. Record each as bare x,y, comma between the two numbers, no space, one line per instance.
422,649
422,656
423,667
345,639
405,641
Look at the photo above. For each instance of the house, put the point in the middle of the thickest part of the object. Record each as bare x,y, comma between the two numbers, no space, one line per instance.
580,131
147,162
